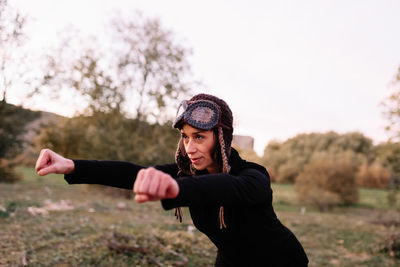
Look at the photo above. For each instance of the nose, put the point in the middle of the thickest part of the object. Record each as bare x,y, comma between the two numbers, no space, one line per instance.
190,147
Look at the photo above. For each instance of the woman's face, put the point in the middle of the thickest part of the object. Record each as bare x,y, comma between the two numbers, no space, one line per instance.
200,145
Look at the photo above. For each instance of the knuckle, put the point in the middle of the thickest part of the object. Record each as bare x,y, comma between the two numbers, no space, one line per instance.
141,173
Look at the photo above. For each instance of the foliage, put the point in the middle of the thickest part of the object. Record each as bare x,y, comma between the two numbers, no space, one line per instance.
125,86
392,155
248,154
392,108
288,158
143,70
111,136
373,175
7,173
11,35
12,72
388,154
151,63
328,179
12,124
252,156
15,69
140,72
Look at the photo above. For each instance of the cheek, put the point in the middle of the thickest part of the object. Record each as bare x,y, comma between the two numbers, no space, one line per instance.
211,152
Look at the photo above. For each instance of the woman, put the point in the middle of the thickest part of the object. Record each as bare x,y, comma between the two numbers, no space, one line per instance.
230,200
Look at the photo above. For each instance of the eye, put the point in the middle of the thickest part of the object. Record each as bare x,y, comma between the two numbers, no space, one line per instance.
199,137
184,136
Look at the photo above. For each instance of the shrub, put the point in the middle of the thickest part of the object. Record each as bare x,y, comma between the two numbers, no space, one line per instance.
287,173
272,174
288,158
373,176
328,179
7,172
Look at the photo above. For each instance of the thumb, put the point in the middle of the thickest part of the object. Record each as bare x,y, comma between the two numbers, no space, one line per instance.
47,170
141,198
43,160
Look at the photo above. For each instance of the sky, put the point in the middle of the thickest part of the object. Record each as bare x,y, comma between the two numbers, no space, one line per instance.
284,67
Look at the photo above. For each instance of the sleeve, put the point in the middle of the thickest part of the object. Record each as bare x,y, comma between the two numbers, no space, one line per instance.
119,174
111,173
249,188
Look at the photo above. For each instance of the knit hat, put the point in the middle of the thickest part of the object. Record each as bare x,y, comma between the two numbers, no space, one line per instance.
205,112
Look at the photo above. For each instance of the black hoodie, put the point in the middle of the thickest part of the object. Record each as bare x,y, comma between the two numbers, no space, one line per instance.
253,237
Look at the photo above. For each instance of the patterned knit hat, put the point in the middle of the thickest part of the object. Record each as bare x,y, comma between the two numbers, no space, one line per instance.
205,112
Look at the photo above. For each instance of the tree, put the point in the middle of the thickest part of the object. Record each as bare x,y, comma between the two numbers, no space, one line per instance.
126,88
110,136
390,152
392,109
138,73
13,67
150,64
12,119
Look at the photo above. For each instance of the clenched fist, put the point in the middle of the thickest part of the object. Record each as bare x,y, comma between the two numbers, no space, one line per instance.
50,162
152,185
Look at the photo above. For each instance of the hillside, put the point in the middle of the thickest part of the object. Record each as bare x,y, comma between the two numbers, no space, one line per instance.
31,122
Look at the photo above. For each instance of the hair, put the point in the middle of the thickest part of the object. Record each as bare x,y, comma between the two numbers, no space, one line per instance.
217,148
223,132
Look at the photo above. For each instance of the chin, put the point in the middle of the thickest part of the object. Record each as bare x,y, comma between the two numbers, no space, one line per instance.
199,167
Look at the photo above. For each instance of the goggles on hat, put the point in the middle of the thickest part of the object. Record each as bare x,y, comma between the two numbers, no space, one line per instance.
201,114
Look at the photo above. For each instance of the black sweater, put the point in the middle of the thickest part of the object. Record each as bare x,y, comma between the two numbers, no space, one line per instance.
253,237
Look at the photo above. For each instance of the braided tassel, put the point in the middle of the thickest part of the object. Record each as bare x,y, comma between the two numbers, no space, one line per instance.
225,169
225,164
178,214
221,218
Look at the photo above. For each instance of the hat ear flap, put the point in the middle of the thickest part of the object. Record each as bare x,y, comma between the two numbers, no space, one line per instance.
181,148
185,167
182,160
224,153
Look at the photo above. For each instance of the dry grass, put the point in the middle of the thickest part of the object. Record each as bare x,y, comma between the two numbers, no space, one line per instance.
346,236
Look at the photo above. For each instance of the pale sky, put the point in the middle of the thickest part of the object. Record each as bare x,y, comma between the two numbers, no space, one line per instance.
284,67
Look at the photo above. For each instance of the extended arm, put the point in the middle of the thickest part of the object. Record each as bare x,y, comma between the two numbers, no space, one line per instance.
119,174
104,172
249,188
111,173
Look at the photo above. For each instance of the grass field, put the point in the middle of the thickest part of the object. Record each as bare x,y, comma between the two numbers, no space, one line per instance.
93,229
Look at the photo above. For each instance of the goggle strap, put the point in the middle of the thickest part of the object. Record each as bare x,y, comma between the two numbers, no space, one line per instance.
182,104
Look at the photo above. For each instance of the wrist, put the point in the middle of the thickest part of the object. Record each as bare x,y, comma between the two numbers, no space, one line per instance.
70,166
176,188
